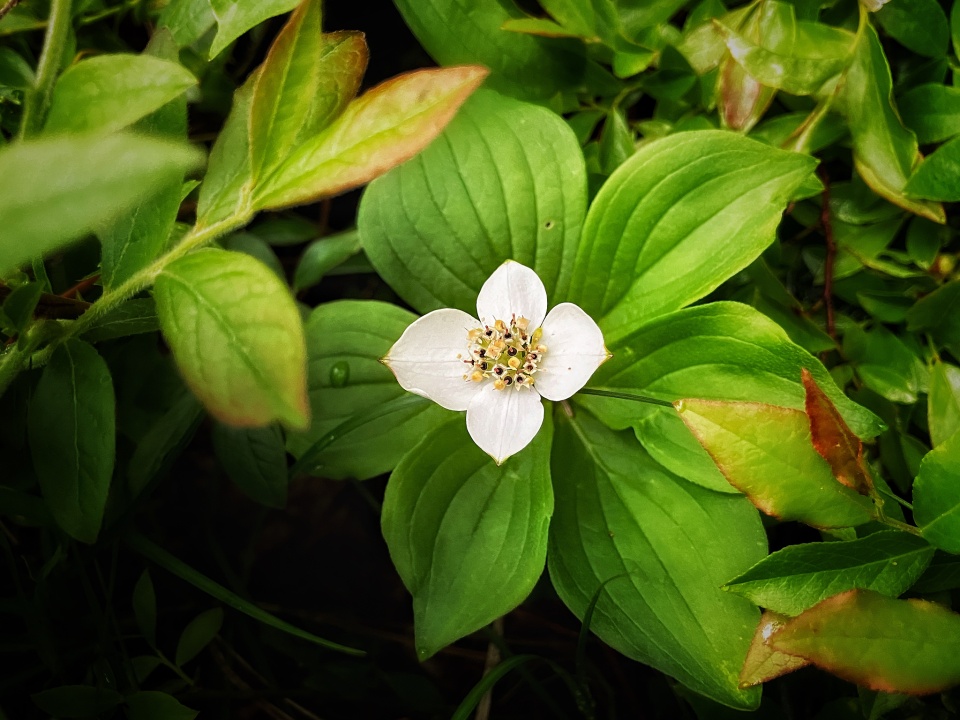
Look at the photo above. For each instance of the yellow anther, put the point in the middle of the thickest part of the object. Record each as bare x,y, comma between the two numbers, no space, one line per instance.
499,384
474,334
501,326
522,323
514,362
476,376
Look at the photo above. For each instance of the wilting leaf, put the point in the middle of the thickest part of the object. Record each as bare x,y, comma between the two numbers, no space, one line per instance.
763,663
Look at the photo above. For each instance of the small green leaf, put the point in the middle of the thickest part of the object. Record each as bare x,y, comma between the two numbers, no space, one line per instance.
799,576
54,191
938,177
109,92
907,646
187,20
885,363
766,452
134,317
932,111
505,180
668,545
20,304
677,219
919,25
72,437
255,460
235,17
155,705
237,337
322,256
457,526
145,607
936,495
198,633
943,402
76,701
163,441
937,314
382,128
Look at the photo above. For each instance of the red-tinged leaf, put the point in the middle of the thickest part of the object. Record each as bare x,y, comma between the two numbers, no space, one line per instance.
895,646
382,128
765,451
305,82
834,440
763,663
742,100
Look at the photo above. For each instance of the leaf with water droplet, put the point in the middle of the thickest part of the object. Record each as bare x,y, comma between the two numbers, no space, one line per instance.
340,374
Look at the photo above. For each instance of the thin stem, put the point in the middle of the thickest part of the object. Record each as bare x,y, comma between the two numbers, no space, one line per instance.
898,525
7,7
626,396
831,253
38,97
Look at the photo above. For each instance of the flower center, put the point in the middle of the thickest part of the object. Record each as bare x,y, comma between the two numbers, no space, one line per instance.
505,352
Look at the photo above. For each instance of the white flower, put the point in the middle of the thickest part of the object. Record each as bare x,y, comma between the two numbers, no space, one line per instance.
499,367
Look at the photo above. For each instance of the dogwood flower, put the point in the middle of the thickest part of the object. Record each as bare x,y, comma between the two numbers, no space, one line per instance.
499,367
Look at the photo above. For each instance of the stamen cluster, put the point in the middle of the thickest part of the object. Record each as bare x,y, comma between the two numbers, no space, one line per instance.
506,353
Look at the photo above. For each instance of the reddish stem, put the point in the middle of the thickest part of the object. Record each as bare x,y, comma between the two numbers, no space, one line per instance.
831,252
80,287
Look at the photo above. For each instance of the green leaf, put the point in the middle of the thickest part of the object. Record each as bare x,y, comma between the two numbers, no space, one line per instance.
937,313
163,442
134,317
198,633
345,341
19,306
237,337
763,663
255,460
943,402
938,177
766,452
76,701
145,607
525,66
667,544
255,247
187,20
932,111
458,526
677,219
800,576
936,495
466,707
72,437
305,82
505,180
155,705
907,646
109,92
919,25
54,191
322,256
382,128
179,568
884,151
235,17
885,363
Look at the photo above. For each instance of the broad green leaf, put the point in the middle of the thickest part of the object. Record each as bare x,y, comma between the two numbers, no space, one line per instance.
54,191
932,111
936,495
938,177
255,460
228,183
663,547
306,80
505,180
766,452
72,437
109,92
943,402
382,128
145,607
920,25
763,663
131,242
345,341
884,151
456,32
156,705
800,63
134,317
198,633
237,337
907,646
458,526
76,701
322,256
885,363
235,17
799,576
937,314
677,219
187,20
255,247
163,441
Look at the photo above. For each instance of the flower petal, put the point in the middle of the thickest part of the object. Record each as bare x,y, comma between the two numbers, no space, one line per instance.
425,360
575,350
503,422
513,289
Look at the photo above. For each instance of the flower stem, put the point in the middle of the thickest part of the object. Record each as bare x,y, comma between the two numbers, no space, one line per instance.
38,97
626,396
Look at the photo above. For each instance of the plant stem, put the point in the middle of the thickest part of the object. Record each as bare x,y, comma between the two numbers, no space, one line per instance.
626,396
38,97
898,525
